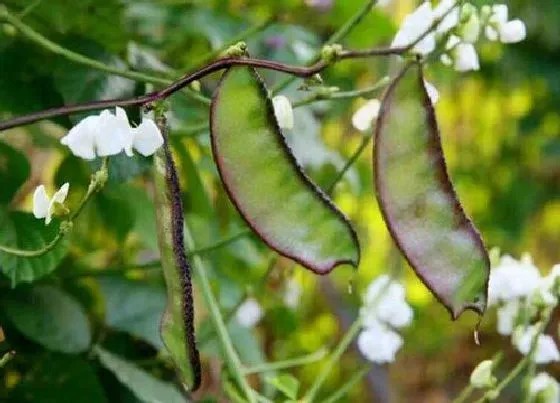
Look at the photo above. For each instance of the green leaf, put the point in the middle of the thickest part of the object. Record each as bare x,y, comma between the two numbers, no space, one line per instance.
56,378
264,181
197,197
286,384
144,216
78,83
144,386
50,317
115,212
14,171
177,324
419,203
134,307
24,231
124,168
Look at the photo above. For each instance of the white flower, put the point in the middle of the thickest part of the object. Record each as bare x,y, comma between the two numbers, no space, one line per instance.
498,17
432,91
413,27
43,206
109,134
446,59
507,314
146,138
292,293
363,117
546,350
379,344
385,302
466,58
451,19
513,32
500,28
544,389
512,279
481,377
383,3
249,313
283,111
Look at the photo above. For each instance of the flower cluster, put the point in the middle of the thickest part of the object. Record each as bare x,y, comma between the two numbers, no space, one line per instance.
459,27
110,134
519,291
521,294
384,309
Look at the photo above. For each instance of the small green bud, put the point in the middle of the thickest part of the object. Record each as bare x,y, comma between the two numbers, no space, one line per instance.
195,85
99,179
481,377
66,226
60,210
330,53
237,50
8,29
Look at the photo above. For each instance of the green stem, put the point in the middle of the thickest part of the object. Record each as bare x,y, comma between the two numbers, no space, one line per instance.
279,365
353,158
333,360
53,47
336,37
242,36
220,244
339,350
230,356
344,389
465,394
326,95
6,358
35,252
94,186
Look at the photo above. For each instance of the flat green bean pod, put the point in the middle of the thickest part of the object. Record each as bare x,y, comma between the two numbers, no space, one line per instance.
266,184
177,324
418,202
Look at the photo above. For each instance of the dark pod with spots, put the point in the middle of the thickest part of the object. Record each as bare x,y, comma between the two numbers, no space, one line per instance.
418,202
266,184
177,324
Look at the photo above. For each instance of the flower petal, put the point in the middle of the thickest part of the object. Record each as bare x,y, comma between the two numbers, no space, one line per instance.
146,138
379,344
110,134
40,202
81,138
363,117
512,32
284,112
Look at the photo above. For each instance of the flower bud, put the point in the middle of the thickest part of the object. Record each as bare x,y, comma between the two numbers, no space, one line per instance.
284,112
512,32
470,28
481,377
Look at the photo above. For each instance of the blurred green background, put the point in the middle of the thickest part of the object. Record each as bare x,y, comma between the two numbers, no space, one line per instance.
500,129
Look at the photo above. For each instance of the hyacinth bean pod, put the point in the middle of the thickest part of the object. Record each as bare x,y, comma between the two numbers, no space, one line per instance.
266,184
418,202
177,324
